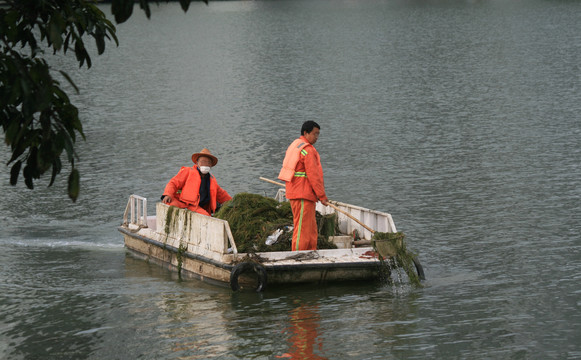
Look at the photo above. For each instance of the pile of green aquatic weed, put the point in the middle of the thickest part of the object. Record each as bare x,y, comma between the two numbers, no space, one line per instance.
327,225
253,218
399,256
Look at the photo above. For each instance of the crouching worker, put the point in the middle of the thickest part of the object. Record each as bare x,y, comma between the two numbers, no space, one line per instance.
194,188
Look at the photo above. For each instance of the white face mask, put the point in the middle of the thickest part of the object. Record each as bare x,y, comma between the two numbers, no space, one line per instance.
204,169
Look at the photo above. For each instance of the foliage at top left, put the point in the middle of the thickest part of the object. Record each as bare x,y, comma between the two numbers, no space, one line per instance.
36,115
38,120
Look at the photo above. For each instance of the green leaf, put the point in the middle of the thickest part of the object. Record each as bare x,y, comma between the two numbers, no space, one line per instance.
82,54
28,177
66,76
73,187
100,41
185,4
46,154
17,150
32,163
68,145
55,31
14,172
12,131
144,4
122,10
66,42
56,169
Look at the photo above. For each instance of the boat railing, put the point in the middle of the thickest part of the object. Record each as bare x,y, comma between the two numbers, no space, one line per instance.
201,234
136,211
376,220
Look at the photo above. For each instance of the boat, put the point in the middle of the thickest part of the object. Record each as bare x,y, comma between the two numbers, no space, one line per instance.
202,247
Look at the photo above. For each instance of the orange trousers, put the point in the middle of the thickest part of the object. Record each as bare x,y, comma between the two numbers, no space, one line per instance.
183,205
305,231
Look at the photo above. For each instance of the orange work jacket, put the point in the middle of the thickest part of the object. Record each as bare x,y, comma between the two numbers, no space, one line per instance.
306,181
188,180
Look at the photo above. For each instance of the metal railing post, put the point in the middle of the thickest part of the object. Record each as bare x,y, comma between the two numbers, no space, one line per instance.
136,211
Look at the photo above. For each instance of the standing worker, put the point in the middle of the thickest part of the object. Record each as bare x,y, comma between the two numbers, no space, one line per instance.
303,176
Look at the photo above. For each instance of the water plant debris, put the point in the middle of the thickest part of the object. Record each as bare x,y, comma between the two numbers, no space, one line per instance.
393,254
253,218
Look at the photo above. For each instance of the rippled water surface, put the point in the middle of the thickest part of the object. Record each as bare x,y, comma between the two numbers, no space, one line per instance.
460,118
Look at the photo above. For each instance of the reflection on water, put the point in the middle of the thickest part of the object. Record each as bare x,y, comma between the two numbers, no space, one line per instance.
304,341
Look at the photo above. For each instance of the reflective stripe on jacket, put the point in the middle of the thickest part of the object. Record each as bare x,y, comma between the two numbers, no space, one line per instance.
307,180
188,180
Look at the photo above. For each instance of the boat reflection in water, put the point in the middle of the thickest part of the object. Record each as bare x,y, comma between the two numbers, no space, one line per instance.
304,329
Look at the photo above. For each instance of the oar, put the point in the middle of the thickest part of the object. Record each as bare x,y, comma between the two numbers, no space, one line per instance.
271,181
330,204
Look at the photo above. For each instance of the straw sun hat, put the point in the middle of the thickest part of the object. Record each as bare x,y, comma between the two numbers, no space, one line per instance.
205,152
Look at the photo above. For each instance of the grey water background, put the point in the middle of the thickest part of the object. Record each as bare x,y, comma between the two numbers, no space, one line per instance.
460,118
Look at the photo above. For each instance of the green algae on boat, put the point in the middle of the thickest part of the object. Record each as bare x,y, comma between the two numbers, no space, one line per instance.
252,218
394,254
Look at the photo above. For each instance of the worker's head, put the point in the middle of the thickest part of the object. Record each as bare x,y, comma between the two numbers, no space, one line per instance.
205,160
310,130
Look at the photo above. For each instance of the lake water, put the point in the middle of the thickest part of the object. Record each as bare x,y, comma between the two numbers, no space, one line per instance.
460,118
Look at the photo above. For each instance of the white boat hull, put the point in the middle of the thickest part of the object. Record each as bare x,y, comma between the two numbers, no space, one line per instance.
202,247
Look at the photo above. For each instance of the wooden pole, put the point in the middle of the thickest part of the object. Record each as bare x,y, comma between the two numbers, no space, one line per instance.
330,204
351,217
271,181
